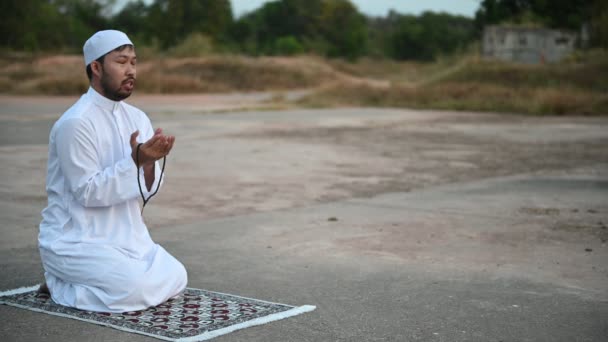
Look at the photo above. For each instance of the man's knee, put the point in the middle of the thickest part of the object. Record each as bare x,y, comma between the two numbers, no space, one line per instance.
181,276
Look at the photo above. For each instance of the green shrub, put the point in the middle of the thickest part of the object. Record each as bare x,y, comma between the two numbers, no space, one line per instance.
288,46
195,45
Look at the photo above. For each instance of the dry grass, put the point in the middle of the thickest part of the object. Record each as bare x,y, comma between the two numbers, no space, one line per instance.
410,73
65,75
586,76
224,74
54,75
464,96
578,86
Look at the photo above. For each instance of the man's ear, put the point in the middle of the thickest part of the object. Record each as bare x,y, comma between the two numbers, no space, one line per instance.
96,68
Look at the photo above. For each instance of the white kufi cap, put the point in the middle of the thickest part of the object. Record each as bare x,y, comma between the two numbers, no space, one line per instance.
103,42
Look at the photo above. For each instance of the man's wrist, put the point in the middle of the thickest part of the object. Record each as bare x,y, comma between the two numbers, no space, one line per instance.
143,161
134,151
137,159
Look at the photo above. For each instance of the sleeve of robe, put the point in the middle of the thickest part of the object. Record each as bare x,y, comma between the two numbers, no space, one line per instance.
92,185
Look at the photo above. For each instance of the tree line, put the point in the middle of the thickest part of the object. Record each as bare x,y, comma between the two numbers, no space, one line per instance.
333,28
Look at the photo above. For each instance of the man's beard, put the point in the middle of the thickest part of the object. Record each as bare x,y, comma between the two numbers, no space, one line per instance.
111,93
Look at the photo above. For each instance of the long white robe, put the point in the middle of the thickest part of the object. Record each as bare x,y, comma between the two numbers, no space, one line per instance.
95,248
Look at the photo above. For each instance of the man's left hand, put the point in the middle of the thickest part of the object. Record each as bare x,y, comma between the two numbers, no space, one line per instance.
154,149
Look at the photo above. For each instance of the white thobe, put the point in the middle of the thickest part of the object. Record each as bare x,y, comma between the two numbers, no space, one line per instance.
95,248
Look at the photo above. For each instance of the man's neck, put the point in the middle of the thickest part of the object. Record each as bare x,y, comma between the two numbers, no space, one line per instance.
97,87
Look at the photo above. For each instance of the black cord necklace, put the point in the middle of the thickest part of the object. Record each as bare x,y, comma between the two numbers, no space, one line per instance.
162,171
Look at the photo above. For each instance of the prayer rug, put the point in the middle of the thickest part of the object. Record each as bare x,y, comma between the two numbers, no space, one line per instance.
196,315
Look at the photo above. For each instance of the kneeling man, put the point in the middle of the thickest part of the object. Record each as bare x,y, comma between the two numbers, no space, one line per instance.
95,248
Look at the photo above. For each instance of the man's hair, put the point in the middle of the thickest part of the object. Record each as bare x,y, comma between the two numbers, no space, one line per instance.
101,59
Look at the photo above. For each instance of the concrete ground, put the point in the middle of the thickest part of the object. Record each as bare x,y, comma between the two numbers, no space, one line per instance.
398,225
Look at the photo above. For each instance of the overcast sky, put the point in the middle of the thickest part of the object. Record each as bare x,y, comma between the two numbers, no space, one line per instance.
381,7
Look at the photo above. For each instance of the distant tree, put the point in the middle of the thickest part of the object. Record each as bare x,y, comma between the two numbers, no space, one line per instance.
33,25
598,24
20,30
173,20
134,19
217,19
344,28
561,14
243,34
82,18
332,27
288,46
566,14
428,36
259,30
379,31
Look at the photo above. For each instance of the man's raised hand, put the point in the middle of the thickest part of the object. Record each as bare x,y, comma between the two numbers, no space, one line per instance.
157,147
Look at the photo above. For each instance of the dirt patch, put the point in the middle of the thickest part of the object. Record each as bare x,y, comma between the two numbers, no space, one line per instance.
539,211
232,164
402,156
598,228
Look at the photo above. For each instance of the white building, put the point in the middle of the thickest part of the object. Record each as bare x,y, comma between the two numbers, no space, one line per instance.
527,45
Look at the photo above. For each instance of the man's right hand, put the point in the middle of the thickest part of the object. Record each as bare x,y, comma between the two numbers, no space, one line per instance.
152,150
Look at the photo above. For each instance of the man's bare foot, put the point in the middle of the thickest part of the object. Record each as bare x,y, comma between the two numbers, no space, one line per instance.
44,289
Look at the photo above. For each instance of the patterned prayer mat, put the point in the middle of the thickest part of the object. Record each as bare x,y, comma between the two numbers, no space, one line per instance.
197,315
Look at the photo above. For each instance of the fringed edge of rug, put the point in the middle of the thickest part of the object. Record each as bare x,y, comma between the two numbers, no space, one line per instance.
19,290
109,325
254,322
202,337
35,287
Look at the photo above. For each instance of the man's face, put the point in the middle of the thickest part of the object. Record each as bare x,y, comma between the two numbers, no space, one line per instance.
118,74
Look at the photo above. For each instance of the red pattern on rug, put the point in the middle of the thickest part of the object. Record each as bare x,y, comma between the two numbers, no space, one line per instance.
193,313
